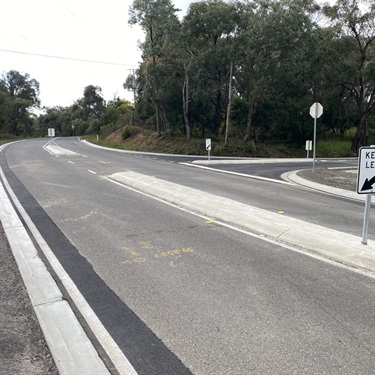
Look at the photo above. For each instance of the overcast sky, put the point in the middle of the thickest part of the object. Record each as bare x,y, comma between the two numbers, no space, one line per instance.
79,29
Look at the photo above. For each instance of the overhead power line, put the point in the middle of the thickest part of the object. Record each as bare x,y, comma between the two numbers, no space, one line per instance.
66,58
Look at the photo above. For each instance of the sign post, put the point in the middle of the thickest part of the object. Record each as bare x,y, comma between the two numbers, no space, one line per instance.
316,110
365,183
208,147
308,147
51,133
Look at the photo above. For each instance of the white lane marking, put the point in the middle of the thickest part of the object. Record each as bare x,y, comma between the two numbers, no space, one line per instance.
71,162
50,151
103,162
117,357
92,171
238,174
55,149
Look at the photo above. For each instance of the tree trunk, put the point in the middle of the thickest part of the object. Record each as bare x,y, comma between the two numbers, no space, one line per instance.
185,104
250,116
164,121
157,114
218,114
361,136
229,106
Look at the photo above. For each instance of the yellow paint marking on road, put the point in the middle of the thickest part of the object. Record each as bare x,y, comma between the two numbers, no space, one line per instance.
174,252
130,251
146,245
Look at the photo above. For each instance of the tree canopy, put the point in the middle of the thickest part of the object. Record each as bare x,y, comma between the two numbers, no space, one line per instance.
285,55
18,95
249,69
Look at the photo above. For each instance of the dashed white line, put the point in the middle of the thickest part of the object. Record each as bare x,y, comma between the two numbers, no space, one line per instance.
92,171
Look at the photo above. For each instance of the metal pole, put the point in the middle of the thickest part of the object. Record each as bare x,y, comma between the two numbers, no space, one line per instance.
316,115
366,219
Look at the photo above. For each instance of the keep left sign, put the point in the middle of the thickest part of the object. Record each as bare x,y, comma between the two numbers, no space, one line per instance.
366,171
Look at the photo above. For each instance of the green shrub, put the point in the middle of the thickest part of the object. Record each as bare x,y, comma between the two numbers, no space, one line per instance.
129,131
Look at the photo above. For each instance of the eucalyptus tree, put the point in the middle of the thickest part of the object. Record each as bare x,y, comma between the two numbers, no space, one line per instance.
160,23
20,93
275,38
355,22
93,103
210,28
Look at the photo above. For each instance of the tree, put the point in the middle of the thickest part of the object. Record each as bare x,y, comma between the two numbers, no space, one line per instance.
210,27
355,22
275,36
159,21
19,93
93,103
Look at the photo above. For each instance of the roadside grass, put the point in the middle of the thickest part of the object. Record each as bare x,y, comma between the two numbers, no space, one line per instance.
334,148
149,141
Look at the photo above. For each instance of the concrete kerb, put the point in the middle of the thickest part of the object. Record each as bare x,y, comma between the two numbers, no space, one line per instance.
340,247
294,178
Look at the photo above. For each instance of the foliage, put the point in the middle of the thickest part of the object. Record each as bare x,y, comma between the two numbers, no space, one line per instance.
18,95
247,69
129,131
283,59
88,115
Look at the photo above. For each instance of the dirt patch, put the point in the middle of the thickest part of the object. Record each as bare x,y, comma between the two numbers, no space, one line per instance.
337,178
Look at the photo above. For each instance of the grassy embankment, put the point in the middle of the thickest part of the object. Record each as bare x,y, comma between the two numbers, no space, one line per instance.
149,141
131,138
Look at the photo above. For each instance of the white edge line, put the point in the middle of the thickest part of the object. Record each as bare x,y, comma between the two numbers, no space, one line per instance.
117,357
238,174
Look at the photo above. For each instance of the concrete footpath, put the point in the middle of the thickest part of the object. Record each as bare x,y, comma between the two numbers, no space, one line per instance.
72,351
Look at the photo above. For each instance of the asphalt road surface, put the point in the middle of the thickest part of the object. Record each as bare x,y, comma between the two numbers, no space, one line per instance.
180,294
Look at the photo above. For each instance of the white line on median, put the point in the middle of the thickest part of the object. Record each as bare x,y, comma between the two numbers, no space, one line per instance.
237,174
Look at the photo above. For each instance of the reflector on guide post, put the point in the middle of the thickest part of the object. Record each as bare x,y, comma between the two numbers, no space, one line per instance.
308,147
208,147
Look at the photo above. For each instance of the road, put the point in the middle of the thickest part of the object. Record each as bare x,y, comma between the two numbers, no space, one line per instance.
182,295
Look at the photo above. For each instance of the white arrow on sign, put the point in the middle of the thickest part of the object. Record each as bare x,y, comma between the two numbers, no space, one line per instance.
316,110
208,144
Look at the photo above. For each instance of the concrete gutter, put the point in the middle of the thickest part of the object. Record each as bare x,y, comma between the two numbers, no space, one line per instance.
334,245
